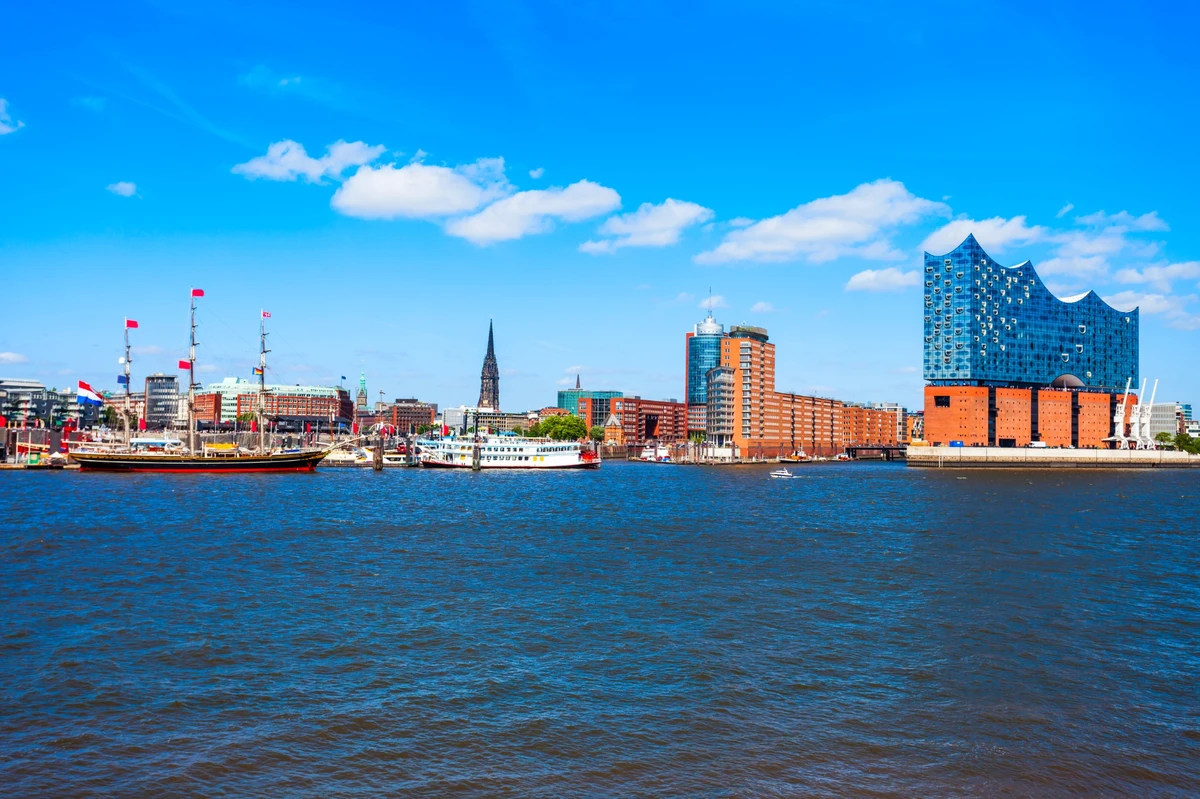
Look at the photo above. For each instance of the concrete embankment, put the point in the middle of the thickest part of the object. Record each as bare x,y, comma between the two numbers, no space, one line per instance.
1029,458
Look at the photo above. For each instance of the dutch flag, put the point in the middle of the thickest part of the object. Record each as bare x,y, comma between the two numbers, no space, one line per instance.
86,395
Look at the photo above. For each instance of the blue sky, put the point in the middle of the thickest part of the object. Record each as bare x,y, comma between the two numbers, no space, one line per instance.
385,179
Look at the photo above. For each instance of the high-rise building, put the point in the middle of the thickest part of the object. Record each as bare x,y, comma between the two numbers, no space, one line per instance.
702,354
489,378
162,400
1007,363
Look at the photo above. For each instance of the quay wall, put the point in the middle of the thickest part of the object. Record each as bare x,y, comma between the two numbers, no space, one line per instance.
1010,457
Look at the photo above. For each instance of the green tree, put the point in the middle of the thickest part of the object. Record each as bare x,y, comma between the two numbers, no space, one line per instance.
596,433
246,417
423,429
565,428
518,431
1164,438
535,430
1185,443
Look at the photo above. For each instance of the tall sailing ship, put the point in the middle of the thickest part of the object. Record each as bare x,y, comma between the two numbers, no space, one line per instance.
169,455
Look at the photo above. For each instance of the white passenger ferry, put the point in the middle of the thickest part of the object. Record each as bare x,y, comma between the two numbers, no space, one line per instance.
505,452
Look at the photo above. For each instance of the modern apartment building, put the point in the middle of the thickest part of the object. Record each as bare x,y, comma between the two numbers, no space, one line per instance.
301,403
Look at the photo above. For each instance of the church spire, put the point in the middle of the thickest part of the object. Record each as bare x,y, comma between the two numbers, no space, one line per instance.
577,381
489,378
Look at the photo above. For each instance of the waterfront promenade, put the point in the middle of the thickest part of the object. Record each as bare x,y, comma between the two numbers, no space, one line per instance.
1049,458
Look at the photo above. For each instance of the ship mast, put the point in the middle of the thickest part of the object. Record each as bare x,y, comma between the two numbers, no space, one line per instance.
127,398
262,380
192,375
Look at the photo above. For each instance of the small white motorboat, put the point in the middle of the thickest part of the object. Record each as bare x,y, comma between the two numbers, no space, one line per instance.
783,474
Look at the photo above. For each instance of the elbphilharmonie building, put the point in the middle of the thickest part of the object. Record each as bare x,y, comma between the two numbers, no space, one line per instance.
993,325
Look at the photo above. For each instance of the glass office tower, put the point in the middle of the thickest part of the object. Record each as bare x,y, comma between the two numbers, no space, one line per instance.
987,324
703,353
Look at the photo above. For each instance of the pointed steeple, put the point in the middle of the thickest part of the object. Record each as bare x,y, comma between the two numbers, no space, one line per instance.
577,381
489,378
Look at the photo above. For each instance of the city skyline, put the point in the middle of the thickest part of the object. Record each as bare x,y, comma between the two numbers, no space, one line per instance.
381,218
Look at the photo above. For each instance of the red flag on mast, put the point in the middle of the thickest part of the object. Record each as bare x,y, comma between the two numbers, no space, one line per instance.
197,292
129,323
185,364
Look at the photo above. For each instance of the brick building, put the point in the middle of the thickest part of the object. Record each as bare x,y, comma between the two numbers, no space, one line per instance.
643,420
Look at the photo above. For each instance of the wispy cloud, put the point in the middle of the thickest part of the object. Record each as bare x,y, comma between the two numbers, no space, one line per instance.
7,125
1173,308
535,211
649,226
122,188
856,223
715,301
307,87
994,235
288,160
12,358
1066,209
890,279
762,307
537,173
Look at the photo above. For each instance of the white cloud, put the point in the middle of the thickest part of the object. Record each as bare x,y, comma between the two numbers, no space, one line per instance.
856,223
890,279
1170,307
123,188
762,307
12,358
534,211
419,190
1159,277
649,226
287,160
684,296
715,301
537,173
994,234
1124,220
6,122
1066,209
741,221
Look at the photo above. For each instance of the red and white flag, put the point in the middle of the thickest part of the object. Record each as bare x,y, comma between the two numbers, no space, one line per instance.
197,292
130,323
266,314
185,364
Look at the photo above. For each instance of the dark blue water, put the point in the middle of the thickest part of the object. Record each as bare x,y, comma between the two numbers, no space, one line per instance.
645,630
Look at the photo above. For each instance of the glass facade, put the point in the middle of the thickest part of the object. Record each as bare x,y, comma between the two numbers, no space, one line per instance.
703,353
989,324
568,400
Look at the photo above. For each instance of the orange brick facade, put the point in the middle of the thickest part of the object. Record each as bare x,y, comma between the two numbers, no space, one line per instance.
649,420
979,416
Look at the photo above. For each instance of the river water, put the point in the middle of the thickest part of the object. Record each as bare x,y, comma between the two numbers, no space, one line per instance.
867,630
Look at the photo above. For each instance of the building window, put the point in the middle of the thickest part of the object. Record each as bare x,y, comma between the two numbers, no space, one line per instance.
941,400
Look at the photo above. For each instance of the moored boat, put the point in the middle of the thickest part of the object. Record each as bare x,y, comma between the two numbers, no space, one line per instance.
504,452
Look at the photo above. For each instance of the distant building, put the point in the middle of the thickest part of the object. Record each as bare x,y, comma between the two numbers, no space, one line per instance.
463,418
642,420
162,400
285,403
30,403
489,377
360,399
591,406
409,415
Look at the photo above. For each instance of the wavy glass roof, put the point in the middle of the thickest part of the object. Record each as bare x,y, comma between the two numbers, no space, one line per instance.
986,323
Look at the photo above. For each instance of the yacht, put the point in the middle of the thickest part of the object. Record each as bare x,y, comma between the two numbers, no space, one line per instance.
504,452
655,452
